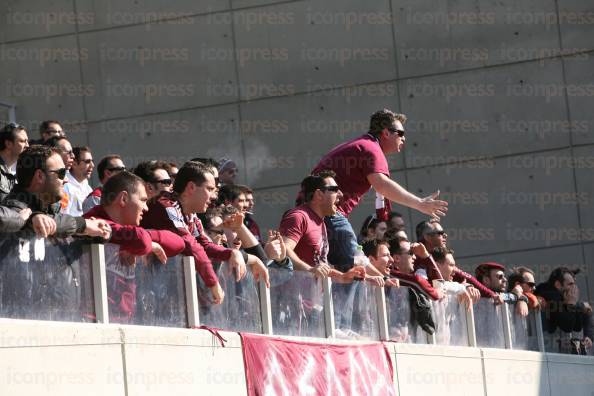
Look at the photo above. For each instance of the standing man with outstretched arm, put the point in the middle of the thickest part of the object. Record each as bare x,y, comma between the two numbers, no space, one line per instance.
360,164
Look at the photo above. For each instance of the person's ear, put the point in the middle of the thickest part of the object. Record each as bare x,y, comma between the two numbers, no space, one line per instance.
123,198
557,284
191,187
38,177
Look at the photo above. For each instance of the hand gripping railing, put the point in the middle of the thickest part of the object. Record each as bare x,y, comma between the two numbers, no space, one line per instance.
296,304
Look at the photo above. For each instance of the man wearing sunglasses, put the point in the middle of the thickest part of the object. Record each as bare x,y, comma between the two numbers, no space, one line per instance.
492,275
523,278
13,141
155,176
304,232
403,256
47,130
431,236
107,167
40,179
77,186
360,164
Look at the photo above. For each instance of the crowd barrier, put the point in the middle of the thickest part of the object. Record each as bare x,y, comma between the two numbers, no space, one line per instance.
70,280
296,303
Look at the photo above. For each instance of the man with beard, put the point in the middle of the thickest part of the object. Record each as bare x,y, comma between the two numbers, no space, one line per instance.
64,147
40,179
492,275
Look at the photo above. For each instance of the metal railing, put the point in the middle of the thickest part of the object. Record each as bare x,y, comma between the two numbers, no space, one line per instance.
69,280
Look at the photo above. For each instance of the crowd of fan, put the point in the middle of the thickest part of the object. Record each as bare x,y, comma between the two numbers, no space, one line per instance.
429,267
199,210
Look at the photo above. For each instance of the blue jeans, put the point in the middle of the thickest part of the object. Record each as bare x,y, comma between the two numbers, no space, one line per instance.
342,242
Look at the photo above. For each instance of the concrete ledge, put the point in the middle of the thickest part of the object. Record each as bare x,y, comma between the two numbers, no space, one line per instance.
57,358
437,350
33,333
507,354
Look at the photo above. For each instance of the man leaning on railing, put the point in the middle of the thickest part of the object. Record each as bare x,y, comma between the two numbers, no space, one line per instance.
123,203
492,275
565,312
304,231
36,196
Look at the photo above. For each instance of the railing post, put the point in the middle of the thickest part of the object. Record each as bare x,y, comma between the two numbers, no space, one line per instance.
328,308
382,312
265,308
470,327
99,283
507,332
191,291
539,332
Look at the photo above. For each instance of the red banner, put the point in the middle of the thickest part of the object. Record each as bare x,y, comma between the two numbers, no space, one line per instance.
275,366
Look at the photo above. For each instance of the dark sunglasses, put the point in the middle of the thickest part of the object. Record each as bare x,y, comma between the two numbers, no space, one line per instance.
531,284
117,169
330,188
61,173
165,182
442,232
400,132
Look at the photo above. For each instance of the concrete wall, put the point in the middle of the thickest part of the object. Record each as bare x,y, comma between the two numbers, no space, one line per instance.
55,358
499,96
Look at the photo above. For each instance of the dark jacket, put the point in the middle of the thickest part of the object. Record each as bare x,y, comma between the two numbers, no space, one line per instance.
558,314
10,220
7,180
66,225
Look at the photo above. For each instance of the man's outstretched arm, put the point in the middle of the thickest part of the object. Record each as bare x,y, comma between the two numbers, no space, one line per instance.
395,192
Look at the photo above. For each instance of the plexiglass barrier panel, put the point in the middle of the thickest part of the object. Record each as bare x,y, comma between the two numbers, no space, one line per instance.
488,322
46,279
402,326
449,316
240,310
567,343
143,291
523,330
297,303
355,311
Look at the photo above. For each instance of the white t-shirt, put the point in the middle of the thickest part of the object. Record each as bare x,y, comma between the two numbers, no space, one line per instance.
77,192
